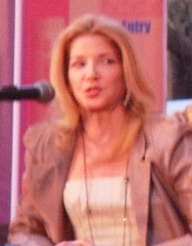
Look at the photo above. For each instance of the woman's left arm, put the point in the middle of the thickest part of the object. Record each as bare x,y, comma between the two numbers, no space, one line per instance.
180,170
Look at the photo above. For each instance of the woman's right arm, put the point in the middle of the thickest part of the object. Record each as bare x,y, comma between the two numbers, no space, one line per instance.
28,228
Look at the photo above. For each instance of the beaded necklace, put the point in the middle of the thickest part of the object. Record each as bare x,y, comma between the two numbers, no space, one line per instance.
124,219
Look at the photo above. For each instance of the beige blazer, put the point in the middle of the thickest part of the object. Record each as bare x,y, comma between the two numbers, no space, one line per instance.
160,180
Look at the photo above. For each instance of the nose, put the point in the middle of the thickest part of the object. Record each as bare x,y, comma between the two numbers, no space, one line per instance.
92,71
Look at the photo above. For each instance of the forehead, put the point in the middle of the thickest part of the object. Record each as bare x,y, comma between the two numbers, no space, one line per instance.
92,43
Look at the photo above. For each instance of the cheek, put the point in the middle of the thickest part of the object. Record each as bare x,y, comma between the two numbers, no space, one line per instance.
117,72
118,79
75,89
72,81
119,84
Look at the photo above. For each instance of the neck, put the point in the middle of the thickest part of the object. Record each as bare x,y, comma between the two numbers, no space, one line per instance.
102,125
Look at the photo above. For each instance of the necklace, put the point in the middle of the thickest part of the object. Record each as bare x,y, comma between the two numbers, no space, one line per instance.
124,219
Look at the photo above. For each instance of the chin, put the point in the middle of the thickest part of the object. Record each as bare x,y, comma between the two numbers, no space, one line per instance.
95,108
98,107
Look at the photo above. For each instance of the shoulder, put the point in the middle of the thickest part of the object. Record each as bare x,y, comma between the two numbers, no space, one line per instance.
35,132
44,136
166,126
163,133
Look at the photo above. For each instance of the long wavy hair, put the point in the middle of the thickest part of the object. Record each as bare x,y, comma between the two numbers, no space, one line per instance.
140,95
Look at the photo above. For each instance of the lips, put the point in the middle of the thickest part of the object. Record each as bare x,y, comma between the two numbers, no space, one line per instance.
92,92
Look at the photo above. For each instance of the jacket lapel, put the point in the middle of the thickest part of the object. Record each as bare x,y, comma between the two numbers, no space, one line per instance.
140,187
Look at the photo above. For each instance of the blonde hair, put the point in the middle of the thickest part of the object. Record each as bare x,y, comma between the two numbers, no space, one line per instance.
137,87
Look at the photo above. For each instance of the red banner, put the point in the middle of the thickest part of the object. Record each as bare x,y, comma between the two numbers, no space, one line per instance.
43,20
145,22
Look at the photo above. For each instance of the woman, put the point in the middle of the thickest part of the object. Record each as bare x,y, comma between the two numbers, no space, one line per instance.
109,172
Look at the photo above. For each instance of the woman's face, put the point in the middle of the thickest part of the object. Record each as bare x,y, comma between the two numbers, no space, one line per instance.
95,73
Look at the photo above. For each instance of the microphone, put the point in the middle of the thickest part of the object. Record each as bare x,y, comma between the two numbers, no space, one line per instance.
41,91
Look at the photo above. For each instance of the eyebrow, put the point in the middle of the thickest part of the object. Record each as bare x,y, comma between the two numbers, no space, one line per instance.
104,54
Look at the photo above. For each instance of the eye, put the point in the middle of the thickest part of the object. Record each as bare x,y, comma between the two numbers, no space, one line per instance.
108,60
77,64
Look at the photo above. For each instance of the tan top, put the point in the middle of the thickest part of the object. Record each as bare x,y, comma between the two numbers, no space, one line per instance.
106,201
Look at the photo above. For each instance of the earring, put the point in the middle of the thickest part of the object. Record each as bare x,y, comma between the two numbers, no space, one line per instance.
127,99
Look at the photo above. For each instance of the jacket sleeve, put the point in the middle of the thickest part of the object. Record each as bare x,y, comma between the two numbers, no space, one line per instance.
181,175
184,241
176,169
28,228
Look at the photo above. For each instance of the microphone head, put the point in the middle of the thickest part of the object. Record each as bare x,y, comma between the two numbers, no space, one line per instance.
46,91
